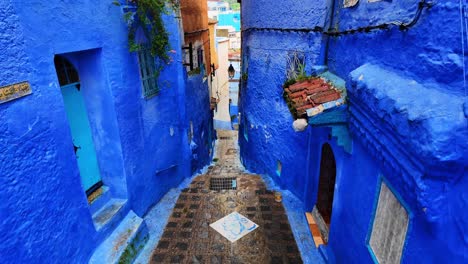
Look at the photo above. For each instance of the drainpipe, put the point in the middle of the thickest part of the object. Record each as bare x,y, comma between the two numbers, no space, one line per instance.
328,25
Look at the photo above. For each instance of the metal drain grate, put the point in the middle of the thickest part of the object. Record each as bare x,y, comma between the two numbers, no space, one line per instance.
218,184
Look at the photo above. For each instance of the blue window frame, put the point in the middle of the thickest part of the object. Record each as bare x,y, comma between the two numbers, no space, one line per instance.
148,73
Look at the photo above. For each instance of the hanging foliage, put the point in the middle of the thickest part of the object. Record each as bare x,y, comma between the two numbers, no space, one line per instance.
148,17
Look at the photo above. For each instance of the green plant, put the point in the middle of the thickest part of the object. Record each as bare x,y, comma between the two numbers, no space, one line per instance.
148,17
301,73
289,82
296,66
132,250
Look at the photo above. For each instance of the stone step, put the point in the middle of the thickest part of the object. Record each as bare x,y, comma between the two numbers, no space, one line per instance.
125,242
109,214
101,200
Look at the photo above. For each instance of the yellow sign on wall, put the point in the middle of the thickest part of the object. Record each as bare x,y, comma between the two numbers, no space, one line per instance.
14,91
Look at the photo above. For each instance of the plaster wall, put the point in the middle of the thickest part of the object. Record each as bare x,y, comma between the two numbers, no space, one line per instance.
265,117
33,165
230,19
213,49
234,90
222,83
356,193
45,216
429,54
195,14
429,182
200,118
195,23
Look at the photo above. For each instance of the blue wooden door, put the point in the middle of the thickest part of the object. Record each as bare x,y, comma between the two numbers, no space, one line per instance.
81,134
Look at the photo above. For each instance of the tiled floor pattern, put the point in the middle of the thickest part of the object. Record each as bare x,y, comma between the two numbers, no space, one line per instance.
188,238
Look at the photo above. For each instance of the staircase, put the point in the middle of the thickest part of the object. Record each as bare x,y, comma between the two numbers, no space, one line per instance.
125,242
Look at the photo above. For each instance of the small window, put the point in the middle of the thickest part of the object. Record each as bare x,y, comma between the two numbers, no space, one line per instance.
66,73
148,73
389,228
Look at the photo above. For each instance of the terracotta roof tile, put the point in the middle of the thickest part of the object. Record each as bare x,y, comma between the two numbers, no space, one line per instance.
318,89
327,98
299,86
310,93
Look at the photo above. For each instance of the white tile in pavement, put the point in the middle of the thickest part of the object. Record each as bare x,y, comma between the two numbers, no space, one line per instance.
234,226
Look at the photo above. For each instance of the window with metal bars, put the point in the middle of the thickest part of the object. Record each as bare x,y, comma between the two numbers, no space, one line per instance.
148,73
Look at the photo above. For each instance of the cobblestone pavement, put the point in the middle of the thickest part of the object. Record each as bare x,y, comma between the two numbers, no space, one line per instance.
188,238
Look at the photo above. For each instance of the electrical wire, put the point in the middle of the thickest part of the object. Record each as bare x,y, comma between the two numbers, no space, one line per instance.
334,33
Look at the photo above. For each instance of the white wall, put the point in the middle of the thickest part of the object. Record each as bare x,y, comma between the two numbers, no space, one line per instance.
234,86
220,88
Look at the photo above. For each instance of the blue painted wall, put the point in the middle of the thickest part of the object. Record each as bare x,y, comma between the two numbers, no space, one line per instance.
200,115
141,144
424,67
264,114
230,19
406,99
430,47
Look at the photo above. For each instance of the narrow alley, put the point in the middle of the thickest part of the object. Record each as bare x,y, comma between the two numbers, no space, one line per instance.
226,188
233,131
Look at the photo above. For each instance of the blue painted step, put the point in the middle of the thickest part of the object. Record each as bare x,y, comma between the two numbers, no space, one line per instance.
110,214
124,244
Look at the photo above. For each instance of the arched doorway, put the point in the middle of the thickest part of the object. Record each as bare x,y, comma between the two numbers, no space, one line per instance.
320,218
326,187
77,116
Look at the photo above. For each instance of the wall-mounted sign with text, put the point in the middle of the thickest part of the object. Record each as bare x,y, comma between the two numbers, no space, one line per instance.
14,91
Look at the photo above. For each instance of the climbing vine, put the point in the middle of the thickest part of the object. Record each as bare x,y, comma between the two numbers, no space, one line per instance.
148,17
